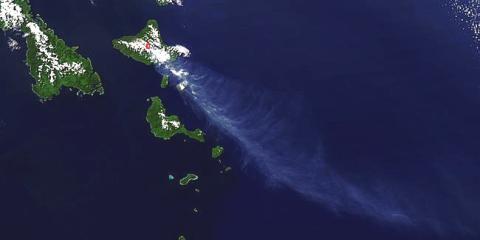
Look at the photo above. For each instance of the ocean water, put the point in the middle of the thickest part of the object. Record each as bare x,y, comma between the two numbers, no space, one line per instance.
368,125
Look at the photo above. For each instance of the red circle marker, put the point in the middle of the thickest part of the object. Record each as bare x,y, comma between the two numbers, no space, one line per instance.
147,46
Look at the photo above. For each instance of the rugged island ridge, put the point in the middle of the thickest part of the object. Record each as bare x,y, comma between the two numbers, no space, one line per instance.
147,46
51,62
166,126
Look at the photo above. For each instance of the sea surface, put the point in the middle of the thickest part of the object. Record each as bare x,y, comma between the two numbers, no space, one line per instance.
390,87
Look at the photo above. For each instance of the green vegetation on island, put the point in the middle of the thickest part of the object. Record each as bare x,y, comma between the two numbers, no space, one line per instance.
165,80
147,46
217,151
181,237
166,126
55,65
51,62
14,14
190,177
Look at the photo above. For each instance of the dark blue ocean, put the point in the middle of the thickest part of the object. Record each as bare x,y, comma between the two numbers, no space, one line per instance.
389,88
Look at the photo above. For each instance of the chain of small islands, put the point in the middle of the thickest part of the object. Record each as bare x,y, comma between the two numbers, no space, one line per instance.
55,65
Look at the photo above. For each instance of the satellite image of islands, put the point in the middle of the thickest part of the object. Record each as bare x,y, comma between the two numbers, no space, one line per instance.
50,61
215,120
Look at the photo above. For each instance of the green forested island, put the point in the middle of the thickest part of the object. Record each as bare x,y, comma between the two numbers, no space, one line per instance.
166,126
51,62
147,46
190,177
165,80
217,151
181,237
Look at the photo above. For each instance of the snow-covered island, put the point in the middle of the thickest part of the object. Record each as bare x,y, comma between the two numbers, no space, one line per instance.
168,2
51,62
